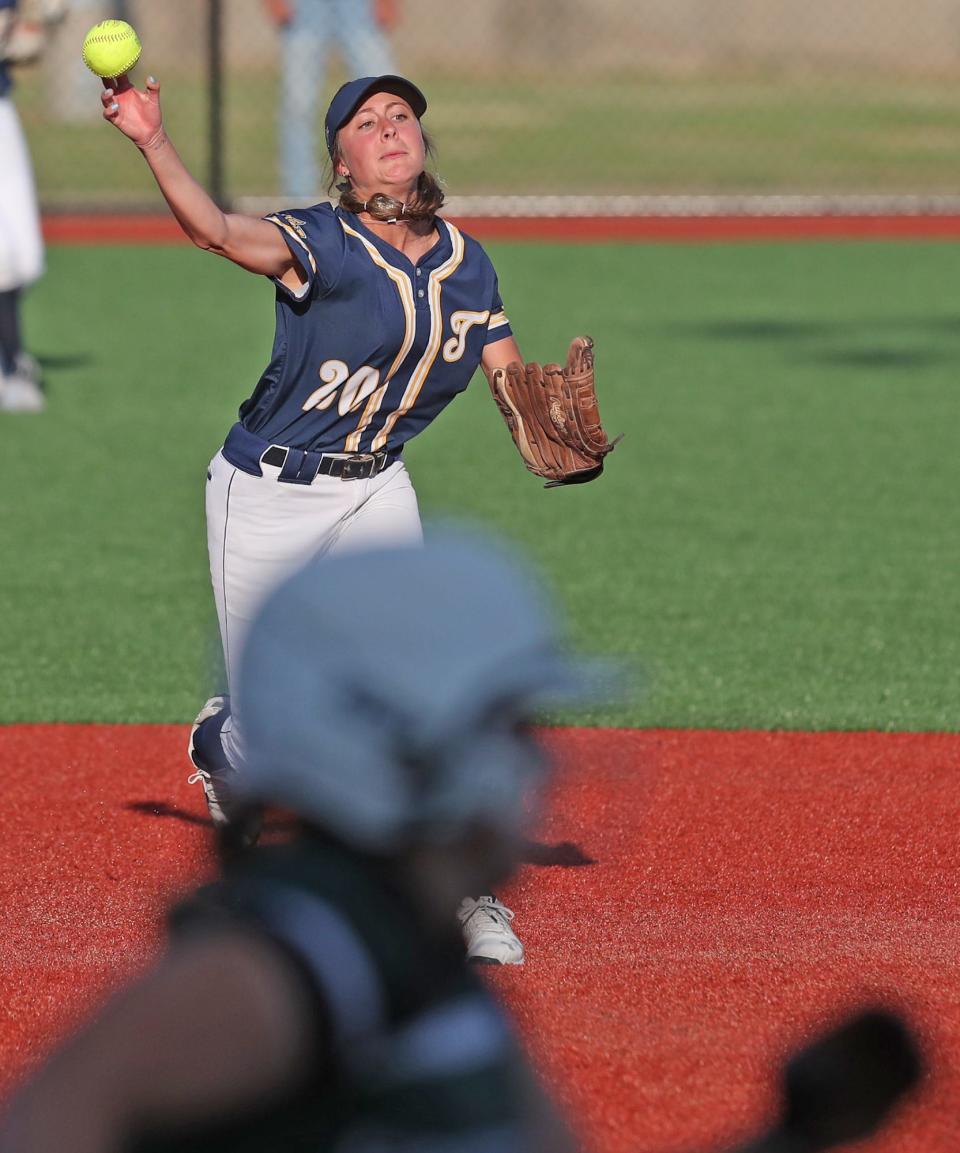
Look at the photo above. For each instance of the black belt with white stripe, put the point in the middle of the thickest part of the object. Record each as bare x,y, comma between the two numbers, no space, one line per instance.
247,451
356,466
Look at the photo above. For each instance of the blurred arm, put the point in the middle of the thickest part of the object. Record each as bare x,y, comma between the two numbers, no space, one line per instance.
386,13
54,11
546,1131
279,11
216,1028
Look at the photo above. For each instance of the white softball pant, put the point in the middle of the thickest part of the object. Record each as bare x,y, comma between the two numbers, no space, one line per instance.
260,529
21,244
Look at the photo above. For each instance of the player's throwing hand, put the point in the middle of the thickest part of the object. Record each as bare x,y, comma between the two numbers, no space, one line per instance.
137,114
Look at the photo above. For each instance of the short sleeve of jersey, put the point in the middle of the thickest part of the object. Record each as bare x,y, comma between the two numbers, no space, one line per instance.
488,298
316,239
498,326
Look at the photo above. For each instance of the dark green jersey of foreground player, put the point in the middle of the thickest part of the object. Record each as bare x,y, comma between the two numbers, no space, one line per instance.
411,1052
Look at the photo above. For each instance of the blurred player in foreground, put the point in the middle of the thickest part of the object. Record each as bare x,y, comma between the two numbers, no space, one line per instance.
316,996
21,245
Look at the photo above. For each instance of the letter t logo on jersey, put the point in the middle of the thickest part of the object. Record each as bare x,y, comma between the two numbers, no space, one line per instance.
461,323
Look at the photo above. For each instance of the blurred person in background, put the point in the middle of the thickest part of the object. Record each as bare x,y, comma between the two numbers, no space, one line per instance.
21,242
310,30
70,89
316,995
384,311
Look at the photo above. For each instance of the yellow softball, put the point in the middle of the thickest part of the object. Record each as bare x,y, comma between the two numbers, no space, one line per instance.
111,48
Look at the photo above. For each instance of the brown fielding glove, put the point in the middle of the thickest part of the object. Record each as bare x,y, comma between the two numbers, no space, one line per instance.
553,416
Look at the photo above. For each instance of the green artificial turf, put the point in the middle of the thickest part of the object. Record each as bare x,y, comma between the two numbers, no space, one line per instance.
775,543
734,132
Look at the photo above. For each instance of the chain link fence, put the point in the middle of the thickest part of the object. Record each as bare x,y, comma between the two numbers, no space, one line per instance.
623,104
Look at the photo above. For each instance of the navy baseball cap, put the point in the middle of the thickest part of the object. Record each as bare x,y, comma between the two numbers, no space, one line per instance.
349,97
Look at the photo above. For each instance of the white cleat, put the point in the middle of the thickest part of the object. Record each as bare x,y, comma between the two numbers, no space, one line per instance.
236,824
20,391
485,923
216,802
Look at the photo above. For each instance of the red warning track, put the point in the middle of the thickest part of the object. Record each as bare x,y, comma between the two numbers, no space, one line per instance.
91,229
743,887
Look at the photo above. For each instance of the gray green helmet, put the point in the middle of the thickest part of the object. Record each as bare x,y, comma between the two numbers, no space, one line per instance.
380,691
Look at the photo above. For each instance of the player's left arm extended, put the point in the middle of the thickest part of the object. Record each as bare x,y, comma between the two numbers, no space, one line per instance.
498,355
551,411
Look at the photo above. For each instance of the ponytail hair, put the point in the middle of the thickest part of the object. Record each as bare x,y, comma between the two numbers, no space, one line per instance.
426,202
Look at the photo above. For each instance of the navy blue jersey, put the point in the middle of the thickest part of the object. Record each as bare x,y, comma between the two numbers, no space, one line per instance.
5,82
374,346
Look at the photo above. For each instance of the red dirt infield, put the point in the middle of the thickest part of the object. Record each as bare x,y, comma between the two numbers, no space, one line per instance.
743,888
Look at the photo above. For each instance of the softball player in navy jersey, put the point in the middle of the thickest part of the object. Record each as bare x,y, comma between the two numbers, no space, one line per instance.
383,313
